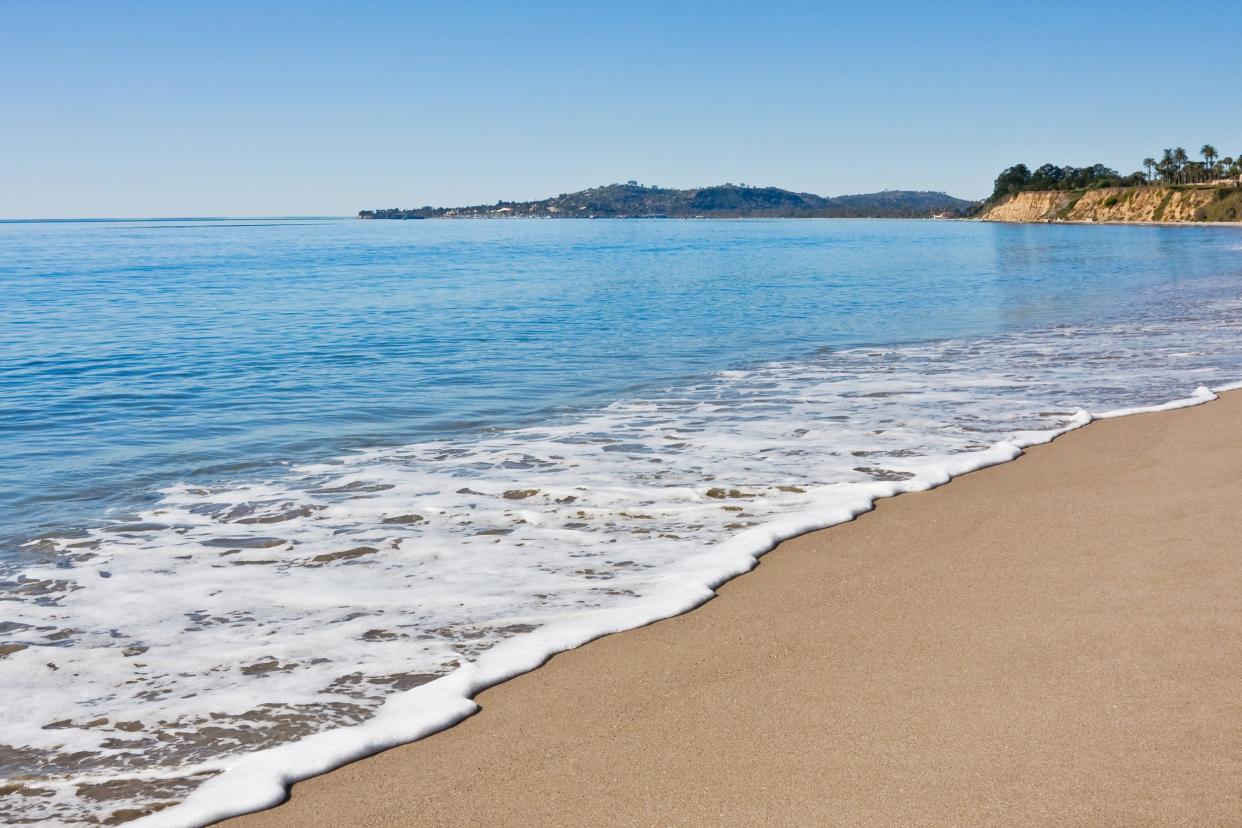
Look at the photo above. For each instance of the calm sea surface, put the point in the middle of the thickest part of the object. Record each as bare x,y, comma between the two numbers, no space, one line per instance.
351,457
138,354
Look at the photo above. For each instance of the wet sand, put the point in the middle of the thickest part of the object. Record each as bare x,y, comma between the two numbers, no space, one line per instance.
1054,641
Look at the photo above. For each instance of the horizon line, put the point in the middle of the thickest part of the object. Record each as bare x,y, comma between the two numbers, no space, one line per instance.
104,219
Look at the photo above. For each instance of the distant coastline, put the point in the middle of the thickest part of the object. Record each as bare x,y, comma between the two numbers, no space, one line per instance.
634,200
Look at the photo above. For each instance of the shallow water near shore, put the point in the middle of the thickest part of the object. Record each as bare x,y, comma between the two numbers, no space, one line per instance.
267,478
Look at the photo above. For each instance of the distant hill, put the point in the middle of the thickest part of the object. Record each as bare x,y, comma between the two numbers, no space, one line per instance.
633,200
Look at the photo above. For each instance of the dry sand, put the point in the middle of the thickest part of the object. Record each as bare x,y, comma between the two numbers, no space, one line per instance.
1055,641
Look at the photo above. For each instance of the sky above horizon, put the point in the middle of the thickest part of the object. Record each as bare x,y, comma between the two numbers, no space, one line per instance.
280,108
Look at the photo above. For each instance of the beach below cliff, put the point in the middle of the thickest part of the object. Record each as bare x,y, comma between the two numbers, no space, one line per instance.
1055,640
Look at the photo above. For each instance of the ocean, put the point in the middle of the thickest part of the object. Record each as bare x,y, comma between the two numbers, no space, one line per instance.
278,493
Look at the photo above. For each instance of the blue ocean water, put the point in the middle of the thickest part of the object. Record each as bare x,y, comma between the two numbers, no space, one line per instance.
276,493
138,354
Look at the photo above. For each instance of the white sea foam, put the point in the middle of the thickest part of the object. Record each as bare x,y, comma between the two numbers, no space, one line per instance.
1201,395
233,639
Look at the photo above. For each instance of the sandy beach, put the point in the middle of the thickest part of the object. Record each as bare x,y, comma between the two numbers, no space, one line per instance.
1057,640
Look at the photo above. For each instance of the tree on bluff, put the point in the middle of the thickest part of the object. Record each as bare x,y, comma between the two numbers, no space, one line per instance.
1012,180
1019,178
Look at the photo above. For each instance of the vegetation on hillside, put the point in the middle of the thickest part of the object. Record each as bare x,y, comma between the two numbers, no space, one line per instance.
1226,207
633,200
1173,168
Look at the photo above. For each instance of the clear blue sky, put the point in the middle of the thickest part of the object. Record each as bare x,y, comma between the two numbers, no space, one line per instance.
265,108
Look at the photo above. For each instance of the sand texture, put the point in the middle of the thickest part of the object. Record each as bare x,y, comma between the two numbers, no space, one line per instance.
1054,641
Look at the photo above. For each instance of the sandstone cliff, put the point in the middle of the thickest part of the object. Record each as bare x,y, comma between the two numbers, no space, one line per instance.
1121,204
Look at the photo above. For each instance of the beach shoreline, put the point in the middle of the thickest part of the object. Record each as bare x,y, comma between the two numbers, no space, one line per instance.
1043,640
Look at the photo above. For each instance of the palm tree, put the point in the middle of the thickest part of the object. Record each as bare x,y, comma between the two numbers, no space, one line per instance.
1166,166
1150,164
1209,156
1180,158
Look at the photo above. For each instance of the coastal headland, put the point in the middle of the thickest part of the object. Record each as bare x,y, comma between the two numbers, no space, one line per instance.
1172,189
1054,640
1121,205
